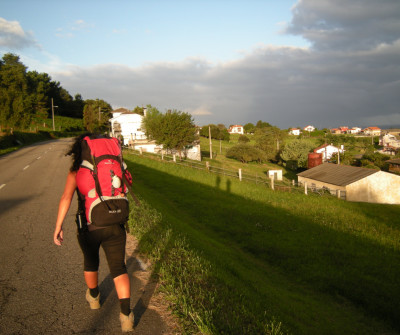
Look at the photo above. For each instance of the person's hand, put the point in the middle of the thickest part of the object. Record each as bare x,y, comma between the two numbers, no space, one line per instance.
58,236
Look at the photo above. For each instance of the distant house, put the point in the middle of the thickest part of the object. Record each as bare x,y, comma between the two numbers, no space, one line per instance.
344,129
359,184
354,130
129,128
372,131
389,141
327,150
336,131
236,129
309,128
294,131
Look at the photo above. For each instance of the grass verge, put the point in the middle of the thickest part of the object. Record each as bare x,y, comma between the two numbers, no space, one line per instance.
238,258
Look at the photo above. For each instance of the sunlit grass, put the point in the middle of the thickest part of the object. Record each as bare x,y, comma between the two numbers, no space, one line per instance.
240,258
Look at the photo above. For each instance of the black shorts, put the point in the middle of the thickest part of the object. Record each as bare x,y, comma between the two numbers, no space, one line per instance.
113,241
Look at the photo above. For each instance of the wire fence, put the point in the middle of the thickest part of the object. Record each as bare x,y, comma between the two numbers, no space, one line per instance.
277,185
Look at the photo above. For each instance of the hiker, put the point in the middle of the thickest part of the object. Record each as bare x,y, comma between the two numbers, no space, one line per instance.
112,238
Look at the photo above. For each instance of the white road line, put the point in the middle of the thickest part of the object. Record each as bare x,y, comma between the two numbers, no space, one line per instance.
25,167
2,185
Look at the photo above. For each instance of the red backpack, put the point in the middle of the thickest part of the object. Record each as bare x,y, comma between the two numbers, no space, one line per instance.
100,181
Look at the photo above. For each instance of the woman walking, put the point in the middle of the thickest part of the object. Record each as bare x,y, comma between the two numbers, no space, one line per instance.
111,238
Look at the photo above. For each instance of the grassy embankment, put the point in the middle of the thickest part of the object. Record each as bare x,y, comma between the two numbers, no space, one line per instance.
238,258
65,127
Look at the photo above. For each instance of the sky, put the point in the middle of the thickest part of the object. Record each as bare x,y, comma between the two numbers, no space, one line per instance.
326,63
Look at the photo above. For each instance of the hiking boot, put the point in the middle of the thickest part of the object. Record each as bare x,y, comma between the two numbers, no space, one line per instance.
126,322
93,302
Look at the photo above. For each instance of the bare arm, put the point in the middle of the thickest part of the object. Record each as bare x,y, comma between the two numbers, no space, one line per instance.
63,207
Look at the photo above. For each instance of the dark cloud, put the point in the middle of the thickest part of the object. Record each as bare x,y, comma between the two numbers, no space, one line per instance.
351,75
343,24
12,36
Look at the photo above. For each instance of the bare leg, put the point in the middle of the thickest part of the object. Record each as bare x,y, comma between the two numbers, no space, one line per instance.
91,278
123,287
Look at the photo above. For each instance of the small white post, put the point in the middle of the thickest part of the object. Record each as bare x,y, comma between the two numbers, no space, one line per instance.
240,174
338,194
293,182
141,151
305,188
272,182
208,166
162,155
174,156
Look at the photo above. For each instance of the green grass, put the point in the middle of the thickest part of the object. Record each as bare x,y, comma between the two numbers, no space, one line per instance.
238,258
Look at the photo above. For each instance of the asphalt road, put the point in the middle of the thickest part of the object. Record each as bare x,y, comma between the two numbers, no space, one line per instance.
41,285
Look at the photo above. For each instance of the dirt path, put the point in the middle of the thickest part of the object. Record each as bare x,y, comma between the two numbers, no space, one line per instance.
146,298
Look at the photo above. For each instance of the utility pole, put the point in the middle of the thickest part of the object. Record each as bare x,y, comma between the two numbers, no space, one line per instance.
209,136
52,112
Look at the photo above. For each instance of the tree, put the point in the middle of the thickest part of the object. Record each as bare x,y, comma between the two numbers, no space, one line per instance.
243,139
139,110
96,114
297,150
249,128
262,124
15,102
269,140
218,132
174,129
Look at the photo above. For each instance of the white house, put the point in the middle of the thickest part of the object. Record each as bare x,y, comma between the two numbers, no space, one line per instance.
309,128
354,130
359,184
327,150
129,128
389,141
294,131
236,129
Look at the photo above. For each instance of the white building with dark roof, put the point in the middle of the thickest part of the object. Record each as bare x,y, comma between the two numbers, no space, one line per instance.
359,184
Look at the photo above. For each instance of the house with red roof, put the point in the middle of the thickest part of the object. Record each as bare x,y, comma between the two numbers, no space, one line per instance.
372,131
236,129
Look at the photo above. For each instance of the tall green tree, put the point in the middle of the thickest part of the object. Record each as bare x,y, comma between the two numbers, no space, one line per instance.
15,100
218,132
297,150
249,128
269,139
96,114
174,129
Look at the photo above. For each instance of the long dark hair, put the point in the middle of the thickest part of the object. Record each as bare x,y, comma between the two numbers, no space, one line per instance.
76,152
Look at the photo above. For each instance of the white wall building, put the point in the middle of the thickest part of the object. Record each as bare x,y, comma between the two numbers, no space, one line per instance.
294,131
327,150
129,128
236,129
309,128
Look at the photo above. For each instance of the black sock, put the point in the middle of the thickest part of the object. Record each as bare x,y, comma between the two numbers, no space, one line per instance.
94,292
125,305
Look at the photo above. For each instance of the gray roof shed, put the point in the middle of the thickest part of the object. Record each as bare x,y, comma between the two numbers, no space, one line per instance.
340,175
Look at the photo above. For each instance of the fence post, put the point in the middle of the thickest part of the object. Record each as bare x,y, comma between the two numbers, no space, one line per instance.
305,188
272,182
162,155
208,166
240,174
174,156
293,182
141,150
338,194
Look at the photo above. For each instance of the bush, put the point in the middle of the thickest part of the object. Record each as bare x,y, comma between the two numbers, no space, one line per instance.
246,153
243,139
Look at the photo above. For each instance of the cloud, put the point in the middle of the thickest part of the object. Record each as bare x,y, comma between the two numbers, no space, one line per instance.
284,86
14,37
350,75
346,25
